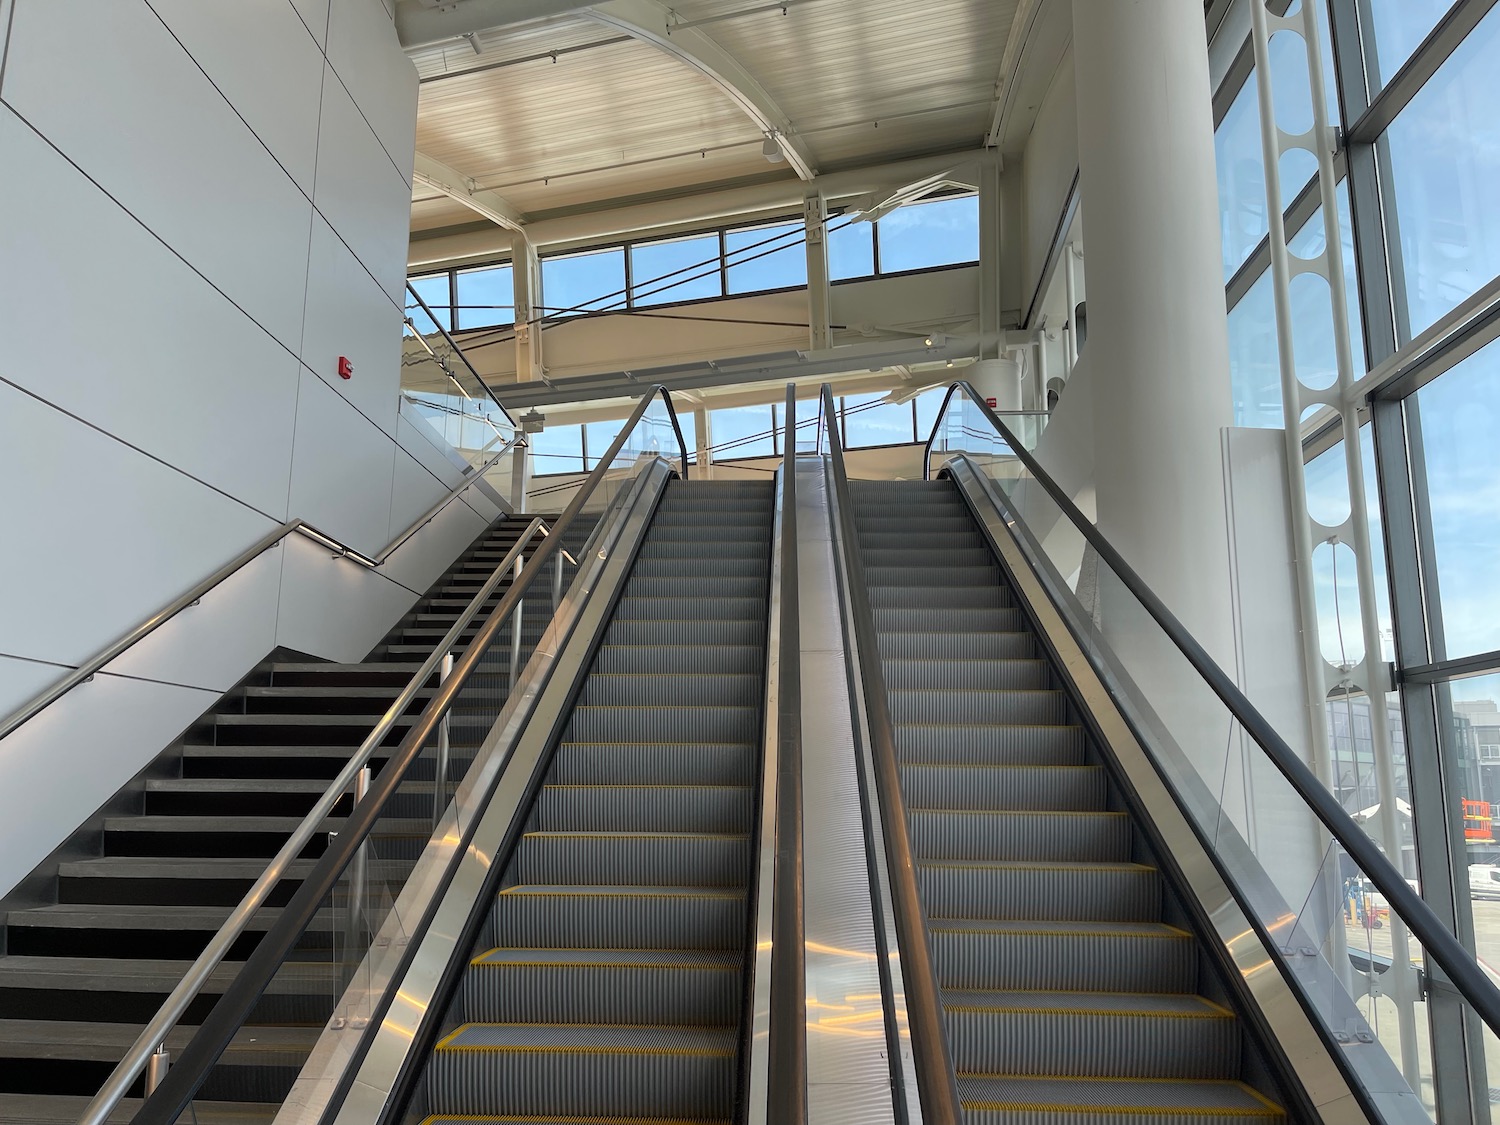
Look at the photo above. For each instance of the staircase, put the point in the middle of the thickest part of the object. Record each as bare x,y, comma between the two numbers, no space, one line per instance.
81,977
1067,997
608,981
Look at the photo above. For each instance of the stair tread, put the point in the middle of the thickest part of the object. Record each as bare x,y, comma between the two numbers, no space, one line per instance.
281,825
1112,1095
106,974
131,916
42,1039
65,1109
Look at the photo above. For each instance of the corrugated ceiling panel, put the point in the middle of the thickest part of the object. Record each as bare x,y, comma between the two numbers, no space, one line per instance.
611,106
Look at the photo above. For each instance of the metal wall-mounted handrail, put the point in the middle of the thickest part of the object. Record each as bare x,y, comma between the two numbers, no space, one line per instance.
181,1083
86,671
937,1085
1464,972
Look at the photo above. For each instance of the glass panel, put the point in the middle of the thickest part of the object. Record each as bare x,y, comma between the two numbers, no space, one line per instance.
1454,419
939,232
1397,27
1242,179
679,269
1444,158
584,282
557,449
599,435
486,297
870,420
771,257
434,290
927,411
851,249
1355,960
1254,365
742,431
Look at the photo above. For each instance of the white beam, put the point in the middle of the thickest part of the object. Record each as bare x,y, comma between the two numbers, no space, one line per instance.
421,24
455,185
1010,61
651,21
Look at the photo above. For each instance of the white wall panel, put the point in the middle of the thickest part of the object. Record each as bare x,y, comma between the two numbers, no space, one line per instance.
110,87
111,535
334,608
413,491
349,315
214,644
218,401
1047,171
238,45
314,14
414,438
341,469
417,563
364,51
360,192
63,764
22,680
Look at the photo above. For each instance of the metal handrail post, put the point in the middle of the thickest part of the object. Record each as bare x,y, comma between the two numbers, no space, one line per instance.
515,633
440,767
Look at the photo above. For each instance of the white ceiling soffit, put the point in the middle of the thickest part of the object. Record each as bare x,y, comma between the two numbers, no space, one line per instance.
1039,37
652,21
455,185
421,23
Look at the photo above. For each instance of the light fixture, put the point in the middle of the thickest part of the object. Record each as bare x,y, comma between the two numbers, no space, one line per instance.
771,150
928,342
533,421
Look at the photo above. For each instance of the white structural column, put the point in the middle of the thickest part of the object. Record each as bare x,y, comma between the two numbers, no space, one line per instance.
1157,335
991,255
526,278
819,299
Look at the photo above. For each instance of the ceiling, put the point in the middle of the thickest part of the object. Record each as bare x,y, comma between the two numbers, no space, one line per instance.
632,100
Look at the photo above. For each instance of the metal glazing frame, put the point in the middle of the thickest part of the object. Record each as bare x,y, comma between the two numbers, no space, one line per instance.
1369,674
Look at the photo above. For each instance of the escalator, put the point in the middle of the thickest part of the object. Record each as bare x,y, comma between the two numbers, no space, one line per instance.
1072,983
136,898
609,974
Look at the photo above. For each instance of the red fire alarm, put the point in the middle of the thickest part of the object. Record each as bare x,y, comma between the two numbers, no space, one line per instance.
346,369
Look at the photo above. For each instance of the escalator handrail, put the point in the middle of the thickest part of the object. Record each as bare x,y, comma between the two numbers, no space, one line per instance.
177,1090
87,670
937,1084
1463,970
787,1070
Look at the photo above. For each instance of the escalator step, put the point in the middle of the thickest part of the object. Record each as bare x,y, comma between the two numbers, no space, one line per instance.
616,917
1091,1034
1023,891
585,1069
1069,788
675,987
1048,835
633,858
719,809
642,763
1079,956
1025,1101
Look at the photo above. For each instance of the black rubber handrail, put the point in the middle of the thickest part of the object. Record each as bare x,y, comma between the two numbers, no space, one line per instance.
1463,970
181,1084
937,1085
787,1064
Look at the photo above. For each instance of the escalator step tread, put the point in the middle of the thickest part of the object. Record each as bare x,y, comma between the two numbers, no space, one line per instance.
1105,1096
623,1038
705,959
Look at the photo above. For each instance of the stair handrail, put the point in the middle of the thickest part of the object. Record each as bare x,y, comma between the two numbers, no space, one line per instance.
177,1090
937,1085
458,351
190,597
187,989
1463,969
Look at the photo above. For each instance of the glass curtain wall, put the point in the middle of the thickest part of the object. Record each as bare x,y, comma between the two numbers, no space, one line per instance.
1413,86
